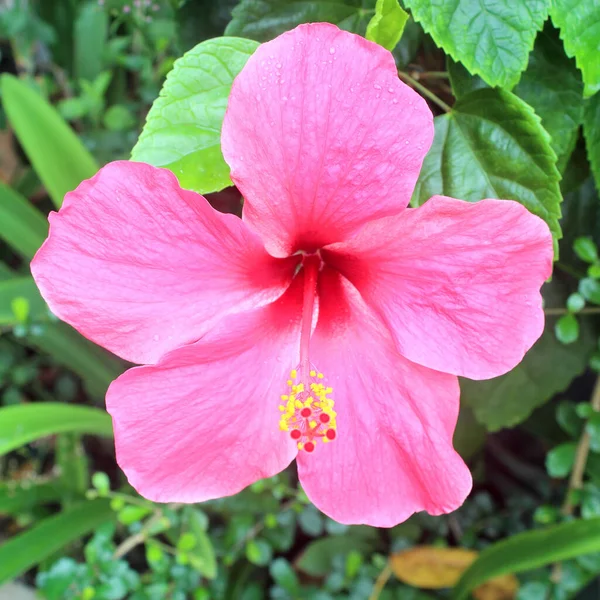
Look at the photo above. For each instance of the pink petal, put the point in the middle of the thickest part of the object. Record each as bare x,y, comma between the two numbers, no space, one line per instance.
203,422
457,283
321,136
140,266
393,454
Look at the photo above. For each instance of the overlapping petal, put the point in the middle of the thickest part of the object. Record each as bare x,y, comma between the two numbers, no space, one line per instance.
203,422
393,455
141,266
457,283
321,136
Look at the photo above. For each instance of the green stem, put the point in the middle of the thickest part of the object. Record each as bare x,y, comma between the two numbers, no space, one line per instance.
423,90
592,310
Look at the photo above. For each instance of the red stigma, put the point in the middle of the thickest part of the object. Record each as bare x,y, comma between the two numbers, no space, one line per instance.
309,447
324,418
305,412
295,434
330,433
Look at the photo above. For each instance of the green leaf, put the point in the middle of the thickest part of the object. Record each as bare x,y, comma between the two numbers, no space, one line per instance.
591,131
259,552
548,368
575,302
22,226
20,288
530,550
553,87
319,556
73,466
94,365
183,127
567,329
586,249
263,20
559,460
492,38
22,496
56,153
90,38
461,80
27,549
579,23
387,25
492,145
202,557
283,574
590,289
21,424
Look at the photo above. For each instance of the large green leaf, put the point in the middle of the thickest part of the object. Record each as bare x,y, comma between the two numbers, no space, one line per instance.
492,145
263,20
183,127
56,153
26,550
387,25
547,369
24,423
591,130
553,87
94,365
579,23
492,38
22,226
530,550
18,289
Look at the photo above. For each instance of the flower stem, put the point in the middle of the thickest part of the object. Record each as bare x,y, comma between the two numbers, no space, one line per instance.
382,579
592,310
423,90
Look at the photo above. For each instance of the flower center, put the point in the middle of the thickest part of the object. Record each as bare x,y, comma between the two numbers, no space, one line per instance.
307,407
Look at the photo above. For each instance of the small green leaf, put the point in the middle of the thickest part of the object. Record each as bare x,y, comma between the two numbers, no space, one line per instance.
590,289
593,429
552,86
119,118
387,25
263,20
56,153
579,23
586,249
259,552
591,131
50,535
183,128
590,502
186,542
568,419
559,460
492,38
530,550
283,574
567,329
507,150
24,423
90,33
132,514
202,558
101,482
575,302
595,361
20,294
22,226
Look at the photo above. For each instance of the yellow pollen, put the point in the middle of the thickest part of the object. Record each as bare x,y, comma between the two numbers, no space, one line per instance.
307,413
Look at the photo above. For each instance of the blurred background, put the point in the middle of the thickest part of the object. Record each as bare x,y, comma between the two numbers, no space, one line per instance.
79,77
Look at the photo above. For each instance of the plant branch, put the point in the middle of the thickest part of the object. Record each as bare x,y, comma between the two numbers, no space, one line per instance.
380,582
423,90
592,310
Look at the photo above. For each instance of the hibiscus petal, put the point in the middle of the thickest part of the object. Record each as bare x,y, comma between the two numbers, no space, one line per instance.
458,283
393,452
204,422
140,266
321,136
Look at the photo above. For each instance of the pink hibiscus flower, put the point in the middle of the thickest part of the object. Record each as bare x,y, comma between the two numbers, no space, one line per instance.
329,323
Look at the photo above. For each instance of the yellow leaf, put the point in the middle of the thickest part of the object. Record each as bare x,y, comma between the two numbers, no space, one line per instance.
429,567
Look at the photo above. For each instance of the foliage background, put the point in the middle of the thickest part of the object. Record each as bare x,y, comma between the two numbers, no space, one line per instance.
515,87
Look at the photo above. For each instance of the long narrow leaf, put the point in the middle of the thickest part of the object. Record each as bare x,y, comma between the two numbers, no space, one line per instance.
21,496
22,226
26,550
17,289
56,153
23,423
530,550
